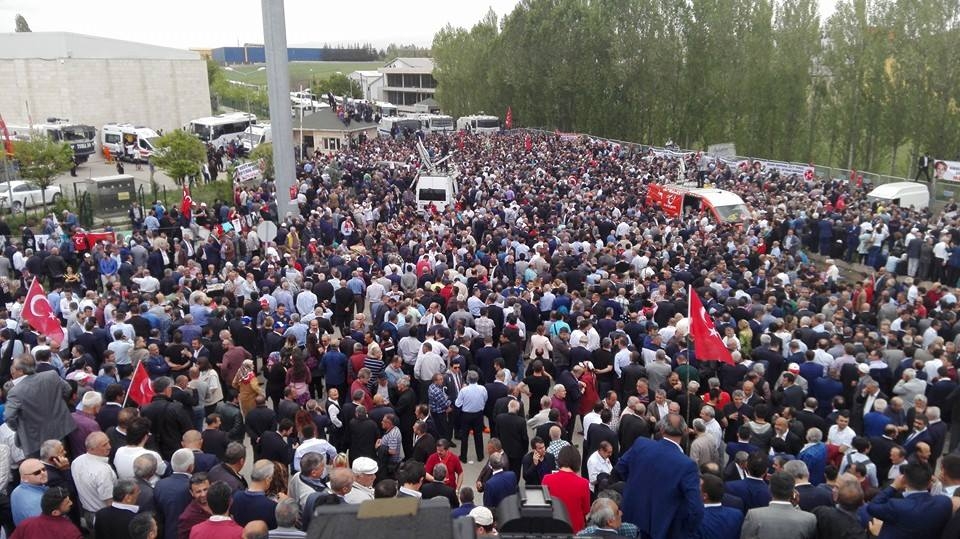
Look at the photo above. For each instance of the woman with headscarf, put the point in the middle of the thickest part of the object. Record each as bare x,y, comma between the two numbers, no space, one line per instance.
247,386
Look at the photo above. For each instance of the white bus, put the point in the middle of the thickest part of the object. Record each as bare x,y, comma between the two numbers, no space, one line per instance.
436,123
220,130
479,123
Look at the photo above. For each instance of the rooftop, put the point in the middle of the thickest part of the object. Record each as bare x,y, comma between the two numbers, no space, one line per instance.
56,45
326,120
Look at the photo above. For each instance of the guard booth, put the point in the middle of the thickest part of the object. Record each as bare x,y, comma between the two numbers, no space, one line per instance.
110,195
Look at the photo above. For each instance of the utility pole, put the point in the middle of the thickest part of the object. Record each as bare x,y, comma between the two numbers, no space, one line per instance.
278,92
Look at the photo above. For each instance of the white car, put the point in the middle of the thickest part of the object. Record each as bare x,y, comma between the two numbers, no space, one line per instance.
26,195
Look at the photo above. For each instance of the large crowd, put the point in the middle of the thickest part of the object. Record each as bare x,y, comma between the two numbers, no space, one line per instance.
537,327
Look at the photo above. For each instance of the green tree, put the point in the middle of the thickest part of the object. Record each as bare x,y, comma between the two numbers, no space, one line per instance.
180,155
42,160
21,23
340,85
265,152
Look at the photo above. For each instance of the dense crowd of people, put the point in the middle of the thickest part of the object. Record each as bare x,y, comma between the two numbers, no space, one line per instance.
368,350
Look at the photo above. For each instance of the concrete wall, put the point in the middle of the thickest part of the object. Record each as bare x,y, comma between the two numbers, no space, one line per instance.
162,94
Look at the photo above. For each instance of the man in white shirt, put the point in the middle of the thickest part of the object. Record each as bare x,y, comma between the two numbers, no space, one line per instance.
93,476
599,462
138,432
314,445
841,434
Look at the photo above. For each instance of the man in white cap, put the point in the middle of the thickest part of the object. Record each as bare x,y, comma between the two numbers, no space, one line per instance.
365,475
483,518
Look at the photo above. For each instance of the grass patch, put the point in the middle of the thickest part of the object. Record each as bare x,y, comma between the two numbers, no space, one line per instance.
301,73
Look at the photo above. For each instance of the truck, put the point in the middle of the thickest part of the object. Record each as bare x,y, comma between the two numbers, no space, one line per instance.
128,142
435,123
434,188
479,123
81,138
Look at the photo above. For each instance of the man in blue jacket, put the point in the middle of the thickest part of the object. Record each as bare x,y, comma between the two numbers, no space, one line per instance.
719,522
662,495
918,513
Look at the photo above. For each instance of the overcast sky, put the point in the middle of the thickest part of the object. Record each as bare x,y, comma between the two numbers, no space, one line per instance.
209,24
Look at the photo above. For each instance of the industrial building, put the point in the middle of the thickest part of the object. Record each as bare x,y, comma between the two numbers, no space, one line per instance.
95,81
408,81
253,53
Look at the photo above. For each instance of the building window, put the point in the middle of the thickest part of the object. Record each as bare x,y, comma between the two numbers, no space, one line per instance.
395,80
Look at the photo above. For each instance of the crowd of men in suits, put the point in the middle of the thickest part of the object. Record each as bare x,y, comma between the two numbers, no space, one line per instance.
367,350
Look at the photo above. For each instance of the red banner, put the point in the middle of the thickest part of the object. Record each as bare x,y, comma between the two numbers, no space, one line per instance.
668,200
508,123
84,241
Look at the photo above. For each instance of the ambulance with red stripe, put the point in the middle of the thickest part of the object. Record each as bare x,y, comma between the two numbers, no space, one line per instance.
675,201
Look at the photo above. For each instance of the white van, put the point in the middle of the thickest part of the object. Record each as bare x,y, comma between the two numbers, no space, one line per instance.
256,135
388,122
903,194
439,191
479,123
129,142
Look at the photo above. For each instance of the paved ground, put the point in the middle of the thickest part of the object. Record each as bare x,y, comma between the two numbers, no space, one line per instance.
96,167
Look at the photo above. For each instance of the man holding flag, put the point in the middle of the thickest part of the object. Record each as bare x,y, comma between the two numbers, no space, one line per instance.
706,338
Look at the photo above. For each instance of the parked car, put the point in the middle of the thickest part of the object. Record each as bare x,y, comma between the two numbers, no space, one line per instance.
27,195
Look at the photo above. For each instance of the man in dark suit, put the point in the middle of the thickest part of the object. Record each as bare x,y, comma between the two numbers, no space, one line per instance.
364,433
169,419
662,494
538,463
632,424
900,515
543,431
789,394
601,432
512,430
842,521
495,390
784,440
112,404
809,418
424,444
810,495
114,520
438,489
938,433
172,494
879,453
719,522
274,444
501,484
753,490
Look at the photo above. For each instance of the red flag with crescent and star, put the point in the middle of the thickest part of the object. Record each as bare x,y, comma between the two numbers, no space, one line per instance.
705,336
141,387
186,207
39,314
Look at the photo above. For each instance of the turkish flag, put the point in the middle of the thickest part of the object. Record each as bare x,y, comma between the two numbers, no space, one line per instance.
39,314
141,387
186,207
7,145
705,336
508,123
